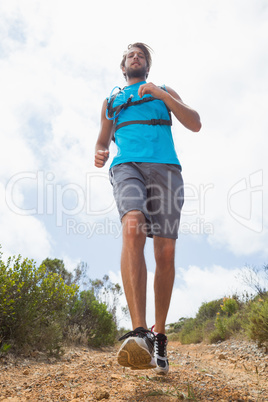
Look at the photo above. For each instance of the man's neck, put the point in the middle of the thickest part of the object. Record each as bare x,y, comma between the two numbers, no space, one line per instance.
131,81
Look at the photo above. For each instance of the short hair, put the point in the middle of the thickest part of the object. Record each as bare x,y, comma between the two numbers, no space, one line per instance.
146,50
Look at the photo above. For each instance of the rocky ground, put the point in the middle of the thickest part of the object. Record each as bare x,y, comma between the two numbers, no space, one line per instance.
229,371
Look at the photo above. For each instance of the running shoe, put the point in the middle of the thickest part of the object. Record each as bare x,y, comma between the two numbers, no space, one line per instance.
160,354
137,351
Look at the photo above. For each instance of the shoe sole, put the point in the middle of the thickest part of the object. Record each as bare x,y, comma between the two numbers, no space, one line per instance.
133,354
160,371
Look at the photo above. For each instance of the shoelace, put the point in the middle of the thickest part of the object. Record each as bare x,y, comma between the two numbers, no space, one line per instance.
138,331
160,345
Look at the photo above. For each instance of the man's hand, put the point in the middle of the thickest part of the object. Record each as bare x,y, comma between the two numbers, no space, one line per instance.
185,114
101,158
151,89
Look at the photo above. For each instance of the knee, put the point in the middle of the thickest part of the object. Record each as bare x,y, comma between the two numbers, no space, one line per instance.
134,227
165,253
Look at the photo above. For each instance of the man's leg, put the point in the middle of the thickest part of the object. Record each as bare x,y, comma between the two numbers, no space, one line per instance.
164,250
137,351
163,284
133,267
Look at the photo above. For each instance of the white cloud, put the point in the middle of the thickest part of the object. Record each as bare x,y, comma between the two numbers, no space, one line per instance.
69,263
19,234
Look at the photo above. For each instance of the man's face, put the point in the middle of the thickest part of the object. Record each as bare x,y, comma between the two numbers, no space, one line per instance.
135,64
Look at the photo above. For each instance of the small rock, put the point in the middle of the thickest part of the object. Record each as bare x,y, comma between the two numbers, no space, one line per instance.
222,356
26,372
101,395
116,377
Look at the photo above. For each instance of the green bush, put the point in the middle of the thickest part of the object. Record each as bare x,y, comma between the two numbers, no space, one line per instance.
215,321
173,336
221,319
208,310
215,336
227,322
205,326
176,326
33,305
229,306
190,333
41,306
56,266
257,326
93,319
234,323
221,328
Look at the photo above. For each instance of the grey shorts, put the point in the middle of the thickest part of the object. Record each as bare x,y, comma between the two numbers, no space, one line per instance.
155,189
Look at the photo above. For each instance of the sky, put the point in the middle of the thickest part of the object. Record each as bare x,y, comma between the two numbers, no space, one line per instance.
60,59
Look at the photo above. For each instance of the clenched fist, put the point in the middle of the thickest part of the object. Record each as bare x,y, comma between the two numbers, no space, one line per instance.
101,158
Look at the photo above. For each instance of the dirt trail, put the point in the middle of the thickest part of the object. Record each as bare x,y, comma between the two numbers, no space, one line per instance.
229,371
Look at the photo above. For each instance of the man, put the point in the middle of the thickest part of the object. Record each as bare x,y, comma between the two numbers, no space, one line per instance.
148,189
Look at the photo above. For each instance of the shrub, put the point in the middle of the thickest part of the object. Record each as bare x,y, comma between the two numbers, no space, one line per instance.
93,319
39,306
190,332
215,336
220,319
234,323
215,321
173,336
227,322
229,306
208,310
221,328
33,305
257,326
209,324
56,266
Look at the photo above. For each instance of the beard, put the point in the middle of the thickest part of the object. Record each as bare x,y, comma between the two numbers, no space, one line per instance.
140,72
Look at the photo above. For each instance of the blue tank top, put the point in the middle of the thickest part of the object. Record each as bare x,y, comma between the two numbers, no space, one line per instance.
142,142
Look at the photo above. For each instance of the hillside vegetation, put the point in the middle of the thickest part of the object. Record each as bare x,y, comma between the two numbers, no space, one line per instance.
40,306
218,320
43,307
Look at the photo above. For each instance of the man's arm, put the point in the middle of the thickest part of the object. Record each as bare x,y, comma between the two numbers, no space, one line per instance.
104,138
185,114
